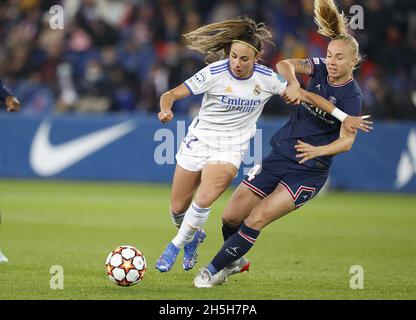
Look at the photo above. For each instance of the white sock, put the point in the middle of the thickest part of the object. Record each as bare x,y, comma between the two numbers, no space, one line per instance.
194,219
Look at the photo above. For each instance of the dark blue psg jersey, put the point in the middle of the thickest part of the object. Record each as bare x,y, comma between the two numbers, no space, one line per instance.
312,125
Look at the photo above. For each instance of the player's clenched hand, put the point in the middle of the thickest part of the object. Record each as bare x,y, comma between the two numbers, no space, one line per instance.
354,123
291,94
306,151
165,116
13,105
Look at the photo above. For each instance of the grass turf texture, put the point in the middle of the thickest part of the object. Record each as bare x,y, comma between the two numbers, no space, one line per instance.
305,255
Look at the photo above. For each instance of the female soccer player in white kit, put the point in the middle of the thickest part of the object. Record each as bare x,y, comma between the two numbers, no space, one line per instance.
235,92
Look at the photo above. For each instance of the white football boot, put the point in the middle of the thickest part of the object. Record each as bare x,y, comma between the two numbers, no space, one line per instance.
204,279
237,266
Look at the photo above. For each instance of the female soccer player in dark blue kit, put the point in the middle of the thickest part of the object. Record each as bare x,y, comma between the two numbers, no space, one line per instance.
297,167
12,104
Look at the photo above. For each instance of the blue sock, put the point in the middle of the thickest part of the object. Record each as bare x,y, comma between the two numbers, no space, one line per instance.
228,231
212,269
234,248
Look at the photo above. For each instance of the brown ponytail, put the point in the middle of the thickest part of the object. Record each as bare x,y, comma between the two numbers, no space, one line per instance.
216,38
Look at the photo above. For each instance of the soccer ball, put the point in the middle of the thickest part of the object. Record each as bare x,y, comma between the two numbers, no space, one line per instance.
125,266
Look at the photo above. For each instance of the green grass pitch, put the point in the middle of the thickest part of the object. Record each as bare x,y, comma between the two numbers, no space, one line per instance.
305,255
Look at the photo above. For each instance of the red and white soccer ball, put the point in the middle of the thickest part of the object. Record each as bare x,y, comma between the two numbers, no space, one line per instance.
125,266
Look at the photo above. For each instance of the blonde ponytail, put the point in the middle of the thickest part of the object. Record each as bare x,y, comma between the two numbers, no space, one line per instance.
333,24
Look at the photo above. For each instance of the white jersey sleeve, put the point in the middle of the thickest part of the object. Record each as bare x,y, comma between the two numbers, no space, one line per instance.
200,82
278,83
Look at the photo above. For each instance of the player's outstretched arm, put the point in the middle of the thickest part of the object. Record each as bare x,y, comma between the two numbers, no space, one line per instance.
343,144
301,66
350,123
167,99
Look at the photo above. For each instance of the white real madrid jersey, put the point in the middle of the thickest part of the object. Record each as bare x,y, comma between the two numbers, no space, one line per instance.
231,105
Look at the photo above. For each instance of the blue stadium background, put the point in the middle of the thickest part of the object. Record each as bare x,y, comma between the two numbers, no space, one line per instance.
113,59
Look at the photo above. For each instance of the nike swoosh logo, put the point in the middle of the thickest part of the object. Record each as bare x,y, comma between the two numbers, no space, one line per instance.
47,160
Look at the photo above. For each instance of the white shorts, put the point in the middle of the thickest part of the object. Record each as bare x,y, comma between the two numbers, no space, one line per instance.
193,154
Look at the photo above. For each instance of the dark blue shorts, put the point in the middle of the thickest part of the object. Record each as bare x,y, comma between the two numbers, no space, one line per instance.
302,182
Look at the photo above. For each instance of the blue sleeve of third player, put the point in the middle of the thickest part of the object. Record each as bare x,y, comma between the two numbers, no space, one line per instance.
4,92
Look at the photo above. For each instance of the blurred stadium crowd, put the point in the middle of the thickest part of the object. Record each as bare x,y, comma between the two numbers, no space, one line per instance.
119,56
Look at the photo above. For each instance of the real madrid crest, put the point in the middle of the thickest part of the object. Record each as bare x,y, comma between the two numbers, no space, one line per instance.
257,90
